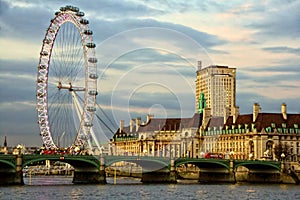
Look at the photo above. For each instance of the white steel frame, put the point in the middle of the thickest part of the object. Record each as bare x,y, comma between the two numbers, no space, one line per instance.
67,14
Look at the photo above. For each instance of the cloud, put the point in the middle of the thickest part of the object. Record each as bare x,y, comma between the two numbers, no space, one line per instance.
268,105
129,9
270,82
282,49
105,29
279,22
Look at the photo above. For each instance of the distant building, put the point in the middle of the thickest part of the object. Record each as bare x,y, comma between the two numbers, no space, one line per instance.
253,136
218,85
247,136
4,150
165,137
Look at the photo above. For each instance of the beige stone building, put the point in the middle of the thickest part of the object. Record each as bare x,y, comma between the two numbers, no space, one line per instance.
218,85
247,136
253,136
176,137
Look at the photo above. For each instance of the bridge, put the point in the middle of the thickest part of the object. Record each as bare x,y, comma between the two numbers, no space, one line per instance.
91,169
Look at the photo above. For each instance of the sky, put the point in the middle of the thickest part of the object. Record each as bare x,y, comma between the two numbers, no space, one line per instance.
148,53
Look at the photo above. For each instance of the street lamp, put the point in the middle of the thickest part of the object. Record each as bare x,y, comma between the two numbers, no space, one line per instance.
250,156
282,156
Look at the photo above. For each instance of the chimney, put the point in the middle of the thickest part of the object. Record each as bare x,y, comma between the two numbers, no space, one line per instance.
283,111
236,112
121,126
256,110
149,117
199,65
131,125
137,123
226,114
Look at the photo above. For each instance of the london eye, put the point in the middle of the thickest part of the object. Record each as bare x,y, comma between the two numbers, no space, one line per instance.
67,82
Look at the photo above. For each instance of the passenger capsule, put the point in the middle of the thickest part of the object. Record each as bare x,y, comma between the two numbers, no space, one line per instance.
74,9
91,45
42,66
88,32
93,92
47,41
41,79
57,13
91,109
44,53
92,60
68,7
84,21
40,94
80,14
88,124
63,9
93,76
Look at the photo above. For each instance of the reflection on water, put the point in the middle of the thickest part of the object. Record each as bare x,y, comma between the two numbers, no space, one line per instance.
56,188
48,180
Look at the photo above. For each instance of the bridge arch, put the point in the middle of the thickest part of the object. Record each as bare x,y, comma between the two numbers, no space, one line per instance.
204,163
76,161
257,165
143,161
7,163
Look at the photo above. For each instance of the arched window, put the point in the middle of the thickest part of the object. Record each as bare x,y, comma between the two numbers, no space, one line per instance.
251,146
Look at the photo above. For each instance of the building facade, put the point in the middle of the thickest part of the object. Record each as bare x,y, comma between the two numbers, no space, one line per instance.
218,85
258,135
248,136
164,137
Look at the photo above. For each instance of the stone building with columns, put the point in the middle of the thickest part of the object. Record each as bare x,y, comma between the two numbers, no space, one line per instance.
240,136
165,137
252,136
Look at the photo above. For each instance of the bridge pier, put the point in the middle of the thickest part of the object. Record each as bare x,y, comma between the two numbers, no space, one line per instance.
91,176
163,175
217,175
13,177
88,177
264,177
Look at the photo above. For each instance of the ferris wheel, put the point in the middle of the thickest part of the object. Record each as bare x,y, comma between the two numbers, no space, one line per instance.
67,82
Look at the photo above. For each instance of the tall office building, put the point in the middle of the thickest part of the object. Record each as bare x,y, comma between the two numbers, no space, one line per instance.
216,84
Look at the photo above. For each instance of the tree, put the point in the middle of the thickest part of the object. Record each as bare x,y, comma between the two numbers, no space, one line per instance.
279,149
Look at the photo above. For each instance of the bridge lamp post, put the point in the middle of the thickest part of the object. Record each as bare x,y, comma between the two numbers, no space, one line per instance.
250,156
101,150
282,161
171,153
282,156
145,152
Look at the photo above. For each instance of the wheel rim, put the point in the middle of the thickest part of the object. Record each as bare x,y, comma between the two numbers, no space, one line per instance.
67,69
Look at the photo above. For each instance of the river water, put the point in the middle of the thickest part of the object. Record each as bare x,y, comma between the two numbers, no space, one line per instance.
57,188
